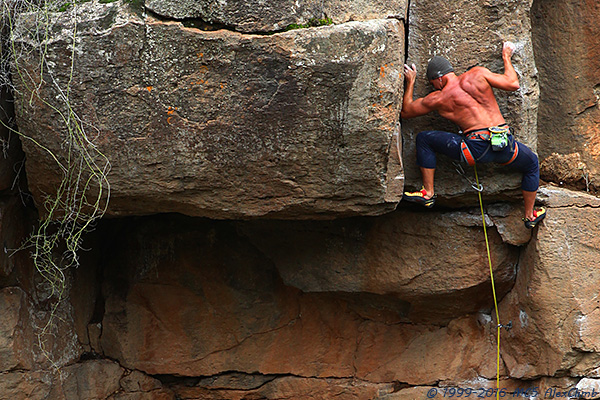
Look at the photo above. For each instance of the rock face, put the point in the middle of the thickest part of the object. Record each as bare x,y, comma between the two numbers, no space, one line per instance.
393,255
223,310
294,125
569,118
260,16
471,34
555,302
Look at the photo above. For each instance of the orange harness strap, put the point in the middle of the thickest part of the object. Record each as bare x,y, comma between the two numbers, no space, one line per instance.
467,153
515,153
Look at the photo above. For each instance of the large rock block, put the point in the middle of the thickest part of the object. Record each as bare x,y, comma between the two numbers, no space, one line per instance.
221,306
470,33
294,125
554,305
434,261
566,44
261,16
16,335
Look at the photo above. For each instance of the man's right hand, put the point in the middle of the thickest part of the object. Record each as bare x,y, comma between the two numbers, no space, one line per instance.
410,72
508,49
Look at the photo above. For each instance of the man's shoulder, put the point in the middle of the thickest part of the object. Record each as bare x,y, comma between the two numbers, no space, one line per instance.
475,71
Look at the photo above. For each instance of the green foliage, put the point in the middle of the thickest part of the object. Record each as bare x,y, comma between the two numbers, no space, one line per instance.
313,22
68,5
83,194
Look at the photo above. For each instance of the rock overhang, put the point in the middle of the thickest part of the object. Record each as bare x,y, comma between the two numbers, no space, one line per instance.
300,124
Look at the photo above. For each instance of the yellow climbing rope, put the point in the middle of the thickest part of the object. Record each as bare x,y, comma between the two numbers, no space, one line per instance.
487,245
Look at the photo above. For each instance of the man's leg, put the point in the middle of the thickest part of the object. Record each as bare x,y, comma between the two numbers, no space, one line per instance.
527,162
429,143
428,175
529,202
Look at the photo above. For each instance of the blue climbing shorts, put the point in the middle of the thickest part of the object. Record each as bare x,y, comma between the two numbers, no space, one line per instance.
431,142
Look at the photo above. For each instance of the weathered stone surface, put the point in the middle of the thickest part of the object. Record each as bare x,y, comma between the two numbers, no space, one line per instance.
294,388
591,388
555,197
291,125
435,261
136,381
21,385
554,304
96,379
566,169
219,303
566,45
471,34
508,221
16,337
261,16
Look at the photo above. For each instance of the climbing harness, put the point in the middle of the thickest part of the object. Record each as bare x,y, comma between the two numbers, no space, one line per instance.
499,326
498,138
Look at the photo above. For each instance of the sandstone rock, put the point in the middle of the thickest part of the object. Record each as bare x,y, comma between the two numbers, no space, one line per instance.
566,169
508,220
555,197
411,393
16,338
565,38
291,125
590,388
136,381
435,261
96,379
291,387
21,385
220,305
260,16
554,304
471,34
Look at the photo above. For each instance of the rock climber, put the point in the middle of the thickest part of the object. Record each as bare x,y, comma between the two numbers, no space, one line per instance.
468,100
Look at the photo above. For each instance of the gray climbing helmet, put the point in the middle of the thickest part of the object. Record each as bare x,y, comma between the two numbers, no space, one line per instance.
438,67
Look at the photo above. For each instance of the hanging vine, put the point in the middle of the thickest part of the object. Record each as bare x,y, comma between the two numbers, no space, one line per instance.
82,196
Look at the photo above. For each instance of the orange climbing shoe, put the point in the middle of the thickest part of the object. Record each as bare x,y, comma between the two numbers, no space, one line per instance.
419,197
539,215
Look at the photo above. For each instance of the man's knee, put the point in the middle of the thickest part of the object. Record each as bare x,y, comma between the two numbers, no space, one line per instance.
423,138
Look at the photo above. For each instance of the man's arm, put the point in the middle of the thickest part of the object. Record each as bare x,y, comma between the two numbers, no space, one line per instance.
413,108
509,80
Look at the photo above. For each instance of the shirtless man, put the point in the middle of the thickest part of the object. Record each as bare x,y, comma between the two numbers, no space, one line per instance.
468,100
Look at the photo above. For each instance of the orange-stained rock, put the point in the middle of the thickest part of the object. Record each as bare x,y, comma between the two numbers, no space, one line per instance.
434,261
94,379
291,387
554,304
16,336
26,385
194,298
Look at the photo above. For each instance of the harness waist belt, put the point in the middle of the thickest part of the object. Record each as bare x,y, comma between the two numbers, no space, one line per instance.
482,134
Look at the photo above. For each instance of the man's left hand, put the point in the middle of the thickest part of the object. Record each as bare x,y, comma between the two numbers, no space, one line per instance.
410,72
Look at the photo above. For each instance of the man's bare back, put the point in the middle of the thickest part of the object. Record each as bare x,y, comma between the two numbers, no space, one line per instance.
467,100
